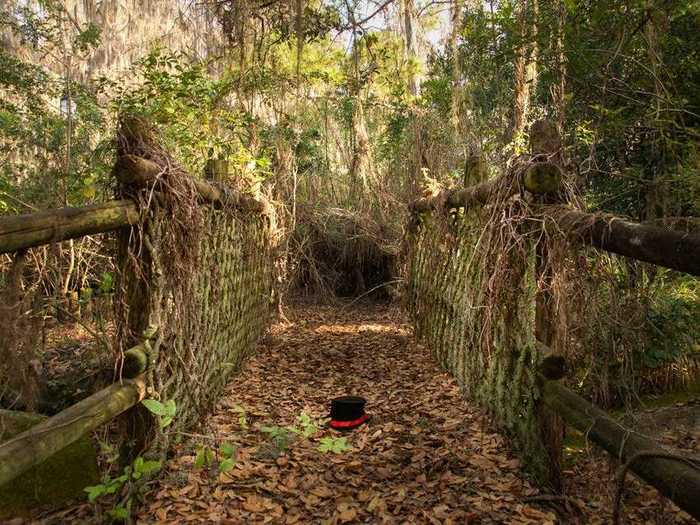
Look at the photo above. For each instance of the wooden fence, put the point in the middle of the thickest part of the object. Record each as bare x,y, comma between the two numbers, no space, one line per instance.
188,358
440,254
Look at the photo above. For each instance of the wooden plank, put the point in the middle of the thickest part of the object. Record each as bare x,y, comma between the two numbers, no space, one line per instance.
19,232
33,446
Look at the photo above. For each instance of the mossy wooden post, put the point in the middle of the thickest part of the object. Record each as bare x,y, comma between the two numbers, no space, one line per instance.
545,149
216,170
33,446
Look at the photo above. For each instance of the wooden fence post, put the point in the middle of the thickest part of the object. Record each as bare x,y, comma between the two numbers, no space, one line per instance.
216,170
545,147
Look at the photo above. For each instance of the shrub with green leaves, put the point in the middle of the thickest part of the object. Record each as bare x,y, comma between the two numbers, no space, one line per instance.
165,411
112,486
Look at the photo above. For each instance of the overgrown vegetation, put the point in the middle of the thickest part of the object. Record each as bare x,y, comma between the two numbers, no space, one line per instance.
340,113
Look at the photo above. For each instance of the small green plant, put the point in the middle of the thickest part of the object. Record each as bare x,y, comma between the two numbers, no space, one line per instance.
281,437
207,458
120,512
134,472
242,421
227,452
108,452
308,426
204,457
165,411
335,445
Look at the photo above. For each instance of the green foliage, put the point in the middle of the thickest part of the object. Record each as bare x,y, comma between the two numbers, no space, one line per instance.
188,106
242,420
281,437
206,457
308,426
50,159
673,321
228,452
88,38
165,411
334,445
111,486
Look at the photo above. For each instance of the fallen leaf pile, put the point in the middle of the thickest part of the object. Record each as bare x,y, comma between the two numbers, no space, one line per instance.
426,456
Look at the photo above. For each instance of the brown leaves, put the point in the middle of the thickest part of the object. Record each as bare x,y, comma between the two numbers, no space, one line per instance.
426,456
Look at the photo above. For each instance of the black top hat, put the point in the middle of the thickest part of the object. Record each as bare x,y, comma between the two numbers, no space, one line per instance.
348,412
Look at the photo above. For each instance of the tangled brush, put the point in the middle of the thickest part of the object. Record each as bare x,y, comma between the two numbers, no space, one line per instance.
171,263
342,253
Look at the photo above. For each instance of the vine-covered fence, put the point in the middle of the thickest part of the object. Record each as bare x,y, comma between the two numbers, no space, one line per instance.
493,270
194,293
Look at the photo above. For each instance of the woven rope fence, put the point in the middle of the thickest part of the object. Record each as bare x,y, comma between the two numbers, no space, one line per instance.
471,297
206,328
196,281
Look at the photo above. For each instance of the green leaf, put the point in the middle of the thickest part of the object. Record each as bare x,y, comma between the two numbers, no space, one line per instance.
227,449
199,459
143,467
164,422
204,457
226,464
170,408
154,406
119,513
95,492
107,282
335,445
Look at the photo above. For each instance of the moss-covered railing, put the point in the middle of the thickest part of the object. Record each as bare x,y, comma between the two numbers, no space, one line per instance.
194,294
483,292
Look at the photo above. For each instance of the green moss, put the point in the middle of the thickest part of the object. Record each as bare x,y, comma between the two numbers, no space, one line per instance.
672,398
57,480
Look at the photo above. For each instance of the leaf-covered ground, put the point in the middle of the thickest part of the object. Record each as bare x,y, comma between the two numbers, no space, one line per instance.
427,456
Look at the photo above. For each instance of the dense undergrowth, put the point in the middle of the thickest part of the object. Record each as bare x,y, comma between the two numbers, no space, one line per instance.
340,113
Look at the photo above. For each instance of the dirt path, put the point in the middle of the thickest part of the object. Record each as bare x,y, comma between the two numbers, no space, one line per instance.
425,457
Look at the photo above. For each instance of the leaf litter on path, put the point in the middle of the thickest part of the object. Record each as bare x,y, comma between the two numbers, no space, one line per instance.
427,455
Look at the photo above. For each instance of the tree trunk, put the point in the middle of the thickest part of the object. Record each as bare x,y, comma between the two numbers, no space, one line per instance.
410,46
525,65
455,14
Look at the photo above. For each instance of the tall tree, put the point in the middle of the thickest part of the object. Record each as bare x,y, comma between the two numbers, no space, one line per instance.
525,64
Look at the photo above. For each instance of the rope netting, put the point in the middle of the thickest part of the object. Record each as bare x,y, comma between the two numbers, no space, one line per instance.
486,286
196,282
201,329
472,296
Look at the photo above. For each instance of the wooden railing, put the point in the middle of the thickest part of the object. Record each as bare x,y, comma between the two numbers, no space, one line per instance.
676,477
20,232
